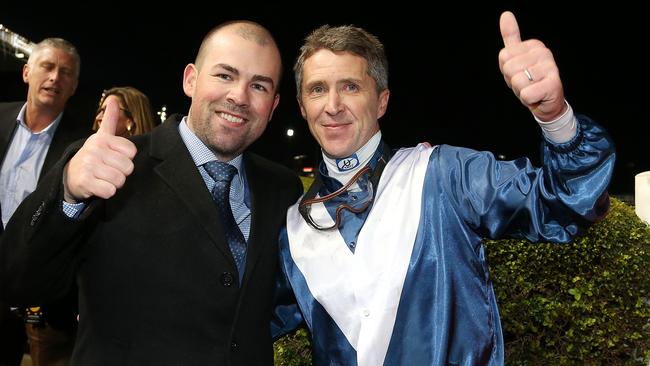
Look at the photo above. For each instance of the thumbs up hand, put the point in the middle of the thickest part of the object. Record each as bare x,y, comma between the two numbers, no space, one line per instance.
102,164
529,69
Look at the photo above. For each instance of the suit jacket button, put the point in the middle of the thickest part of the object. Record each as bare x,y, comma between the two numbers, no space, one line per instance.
234,346
227,279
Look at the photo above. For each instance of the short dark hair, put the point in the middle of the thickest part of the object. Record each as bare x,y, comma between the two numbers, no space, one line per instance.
346,38
248,30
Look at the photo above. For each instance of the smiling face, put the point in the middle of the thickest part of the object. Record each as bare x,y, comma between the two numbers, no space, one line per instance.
233,89
339,100
52,76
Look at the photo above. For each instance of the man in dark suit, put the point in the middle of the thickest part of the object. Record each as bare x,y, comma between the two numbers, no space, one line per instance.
134,221
33,136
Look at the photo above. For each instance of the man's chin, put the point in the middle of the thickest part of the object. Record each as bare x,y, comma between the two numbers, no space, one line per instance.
337,151
50,101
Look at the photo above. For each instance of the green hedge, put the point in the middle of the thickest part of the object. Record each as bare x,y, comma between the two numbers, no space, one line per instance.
583,303
293,349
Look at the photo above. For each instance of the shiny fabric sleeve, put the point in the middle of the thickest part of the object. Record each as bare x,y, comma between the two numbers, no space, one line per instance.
513,198
286,313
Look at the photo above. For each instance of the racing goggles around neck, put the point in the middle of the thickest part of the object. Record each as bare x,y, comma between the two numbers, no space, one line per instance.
305,205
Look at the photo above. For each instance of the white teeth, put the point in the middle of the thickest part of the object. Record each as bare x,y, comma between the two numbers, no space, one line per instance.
231,118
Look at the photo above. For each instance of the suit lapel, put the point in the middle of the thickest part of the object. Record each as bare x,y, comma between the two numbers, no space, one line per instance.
261,199
177,169
55,151
8,118
66,133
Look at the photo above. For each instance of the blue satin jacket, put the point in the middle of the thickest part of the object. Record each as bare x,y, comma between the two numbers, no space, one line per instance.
447,312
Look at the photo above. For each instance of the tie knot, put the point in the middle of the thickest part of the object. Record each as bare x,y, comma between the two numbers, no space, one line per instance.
220,171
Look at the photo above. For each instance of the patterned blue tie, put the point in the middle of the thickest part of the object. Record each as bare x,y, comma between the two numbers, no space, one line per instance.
223,173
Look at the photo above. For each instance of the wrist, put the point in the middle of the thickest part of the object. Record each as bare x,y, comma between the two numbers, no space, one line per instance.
67,196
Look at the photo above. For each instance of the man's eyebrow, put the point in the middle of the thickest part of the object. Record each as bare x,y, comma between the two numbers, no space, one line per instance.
264,79
312,84
257,78
229,68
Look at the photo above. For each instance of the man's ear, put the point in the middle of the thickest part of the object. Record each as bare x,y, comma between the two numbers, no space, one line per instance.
189,79
276,101
26,73
383,103
302,108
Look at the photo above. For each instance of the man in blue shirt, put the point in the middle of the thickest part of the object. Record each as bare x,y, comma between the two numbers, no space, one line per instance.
384,253
33,135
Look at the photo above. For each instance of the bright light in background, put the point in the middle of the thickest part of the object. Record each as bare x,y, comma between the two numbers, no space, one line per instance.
163,113
290,132
21,46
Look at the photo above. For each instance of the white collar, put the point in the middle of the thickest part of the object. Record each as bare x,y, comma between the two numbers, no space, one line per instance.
343,169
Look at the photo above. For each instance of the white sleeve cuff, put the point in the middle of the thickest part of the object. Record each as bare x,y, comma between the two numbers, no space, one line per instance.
562,129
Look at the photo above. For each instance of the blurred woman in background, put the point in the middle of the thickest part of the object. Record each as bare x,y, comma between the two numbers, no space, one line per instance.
136,116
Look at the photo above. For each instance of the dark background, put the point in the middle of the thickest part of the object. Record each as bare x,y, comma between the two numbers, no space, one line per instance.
444,77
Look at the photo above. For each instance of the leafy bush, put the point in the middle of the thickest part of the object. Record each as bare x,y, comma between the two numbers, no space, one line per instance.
293,349
582,303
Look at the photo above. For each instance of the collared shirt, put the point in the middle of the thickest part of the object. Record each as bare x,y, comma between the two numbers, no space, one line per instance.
23,163
239,193
201,154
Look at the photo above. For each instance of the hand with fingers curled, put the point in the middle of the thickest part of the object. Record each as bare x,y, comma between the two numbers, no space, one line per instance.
529,69
102,164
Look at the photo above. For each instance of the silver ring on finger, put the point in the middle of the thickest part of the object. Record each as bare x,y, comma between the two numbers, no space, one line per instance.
529,75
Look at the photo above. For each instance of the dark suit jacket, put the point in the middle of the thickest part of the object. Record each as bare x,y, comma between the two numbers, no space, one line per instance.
157,281
61,313
66,133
